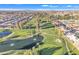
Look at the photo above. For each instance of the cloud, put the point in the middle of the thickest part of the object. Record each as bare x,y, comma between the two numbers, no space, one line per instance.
44,5
69,6
53,6
50,6
10,9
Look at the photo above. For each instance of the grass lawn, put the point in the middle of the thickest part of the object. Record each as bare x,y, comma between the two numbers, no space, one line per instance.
17,33
1,30
73,49
22,33
51,45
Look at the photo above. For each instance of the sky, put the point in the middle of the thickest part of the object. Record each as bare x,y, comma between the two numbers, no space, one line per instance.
39,6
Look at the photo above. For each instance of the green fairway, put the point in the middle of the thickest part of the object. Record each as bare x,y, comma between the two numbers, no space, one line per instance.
22,33
52,43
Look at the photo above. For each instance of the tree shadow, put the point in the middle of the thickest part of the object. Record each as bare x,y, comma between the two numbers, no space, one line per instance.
71,53
48,51
29,27
43,21
47,25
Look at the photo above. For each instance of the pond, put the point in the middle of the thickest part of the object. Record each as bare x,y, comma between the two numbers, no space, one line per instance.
20,44
5,33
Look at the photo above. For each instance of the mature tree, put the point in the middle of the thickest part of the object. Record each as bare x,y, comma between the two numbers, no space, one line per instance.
37,18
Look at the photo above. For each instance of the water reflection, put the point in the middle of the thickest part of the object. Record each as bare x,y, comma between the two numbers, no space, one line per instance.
20,44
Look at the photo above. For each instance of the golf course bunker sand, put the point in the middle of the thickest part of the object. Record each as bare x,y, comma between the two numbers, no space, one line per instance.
58,40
